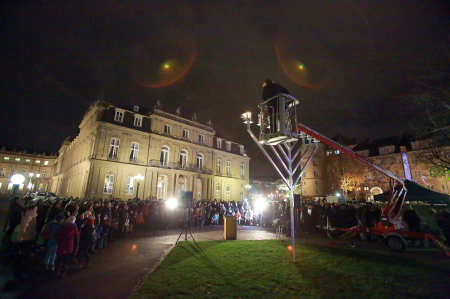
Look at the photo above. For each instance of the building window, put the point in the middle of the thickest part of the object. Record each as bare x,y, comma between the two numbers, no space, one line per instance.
129,187
135,108
28,161
119,115
229,146
2,172
134,151
183,159
109,184
6,158
17,159
1,184
219,166
241,195
185,134
199,161
164,158
45,163
242,170
219,143
114,148
218,191
167,129
138,121
241,149
38,161
228,168
201,139
228,193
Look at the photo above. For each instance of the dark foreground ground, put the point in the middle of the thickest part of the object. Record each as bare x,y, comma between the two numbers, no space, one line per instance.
263,269
114,272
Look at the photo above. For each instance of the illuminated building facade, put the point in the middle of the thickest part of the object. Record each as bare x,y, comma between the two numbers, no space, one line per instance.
36,168
124,152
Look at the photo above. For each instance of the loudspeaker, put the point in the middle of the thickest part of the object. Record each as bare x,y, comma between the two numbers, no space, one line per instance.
187,199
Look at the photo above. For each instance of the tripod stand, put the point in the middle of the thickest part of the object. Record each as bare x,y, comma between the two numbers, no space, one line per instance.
187,226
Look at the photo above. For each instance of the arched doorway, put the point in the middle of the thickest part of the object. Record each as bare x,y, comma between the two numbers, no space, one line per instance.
375,191
161,187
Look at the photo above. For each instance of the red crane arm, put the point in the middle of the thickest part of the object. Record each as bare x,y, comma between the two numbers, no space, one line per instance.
334,145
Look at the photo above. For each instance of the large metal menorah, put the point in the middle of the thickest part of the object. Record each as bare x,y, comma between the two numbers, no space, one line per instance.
289,157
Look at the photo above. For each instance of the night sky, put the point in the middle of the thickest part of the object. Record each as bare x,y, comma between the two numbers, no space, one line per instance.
352,63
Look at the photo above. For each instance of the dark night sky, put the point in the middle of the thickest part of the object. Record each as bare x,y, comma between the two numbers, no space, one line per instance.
360,60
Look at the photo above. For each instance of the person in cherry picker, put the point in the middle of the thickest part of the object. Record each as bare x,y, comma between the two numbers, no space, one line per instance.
270,90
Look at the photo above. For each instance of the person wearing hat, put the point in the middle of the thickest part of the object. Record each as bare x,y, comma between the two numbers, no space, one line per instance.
270,90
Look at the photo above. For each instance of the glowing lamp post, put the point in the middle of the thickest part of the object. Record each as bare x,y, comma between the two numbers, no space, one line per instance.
138,178
17,179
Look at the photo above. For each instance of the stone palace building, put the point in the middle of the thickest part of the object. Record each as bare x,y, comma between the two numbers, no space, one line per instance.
127,152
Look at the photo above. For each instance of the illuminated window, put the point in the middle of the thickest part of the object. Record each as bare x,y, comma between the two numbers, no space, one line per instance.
28,160
227,193
137,121
6,158
1,184
119,115
129,187
109,184
185,134
201,139
199,161
2,172
219,143
183,158
45,162
241,195
167,129
164,157
218,191
242,170
134,151
228,168
114,148
219,166
241,149
18,159
38,161
229,146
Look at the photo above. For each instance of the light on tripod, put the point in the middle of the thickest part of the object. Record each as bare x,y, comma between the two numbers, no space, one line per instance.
172,203
260,204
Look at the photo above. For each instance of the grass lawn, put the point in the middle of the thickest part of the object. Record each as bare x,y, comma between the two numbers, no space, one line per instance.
252,269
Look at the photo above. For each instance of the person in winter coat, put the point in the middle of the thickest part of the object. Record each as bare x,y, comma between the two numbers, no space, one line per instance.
86,240
49,234
68,239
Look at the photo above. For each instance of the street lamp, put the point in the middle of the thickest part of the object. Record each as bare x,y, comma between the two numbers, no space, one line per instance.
17,179
138,178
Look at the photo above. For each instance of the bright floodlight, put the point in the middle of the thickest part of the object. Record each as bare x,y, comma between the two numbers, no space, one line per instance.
172,203
338,194
17,179
260,204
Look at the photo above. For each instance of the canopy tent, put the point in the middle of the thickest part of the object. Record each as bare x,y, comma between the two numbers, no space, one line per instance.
418,193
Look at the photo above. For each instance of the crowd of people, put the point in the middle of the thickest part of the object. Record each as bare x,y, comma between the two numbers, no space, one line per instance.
58,234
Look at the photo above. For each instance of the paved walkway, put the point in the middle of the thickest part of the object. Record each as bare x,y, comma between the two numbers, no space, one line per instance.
115,271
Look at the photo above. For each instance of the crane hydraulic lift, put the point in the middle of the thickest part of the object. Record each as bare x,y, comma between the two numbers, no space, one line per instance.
280,131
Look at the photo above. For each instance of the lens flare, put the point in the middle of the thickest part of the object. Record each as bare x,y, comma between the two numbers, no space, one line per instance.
289,248
162,61
293,63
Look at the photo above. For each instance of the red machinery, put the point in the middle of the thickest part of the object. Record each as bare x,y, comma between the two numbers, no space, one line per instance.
390,227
